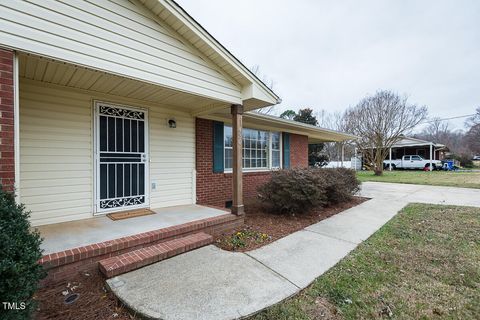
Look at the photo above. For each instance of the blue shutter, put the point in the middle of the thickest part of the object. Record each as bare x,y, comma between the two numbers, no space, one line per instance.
218,158
286,150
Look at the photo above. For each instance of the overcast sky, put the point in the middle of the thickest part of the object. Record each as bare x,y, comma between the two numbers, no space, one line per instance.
330,54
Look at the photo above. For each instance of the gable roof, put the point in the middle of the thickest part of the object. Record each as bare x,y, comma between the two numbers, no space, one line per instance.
256,94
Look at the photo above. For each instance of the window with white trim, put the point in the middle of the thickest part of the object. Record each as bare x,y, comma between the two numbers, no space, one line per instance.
261,149
275,139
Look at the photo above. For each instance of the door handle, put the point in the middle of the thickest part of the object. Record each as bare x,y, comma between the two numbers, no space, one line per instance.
144,157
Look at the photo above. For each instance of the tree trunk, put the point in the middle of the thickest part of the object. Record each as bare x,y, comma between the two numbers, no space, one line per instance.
378,166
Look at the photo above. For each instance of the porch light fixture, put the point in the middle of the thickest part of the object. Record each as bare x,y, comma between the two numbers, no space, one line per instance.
172,123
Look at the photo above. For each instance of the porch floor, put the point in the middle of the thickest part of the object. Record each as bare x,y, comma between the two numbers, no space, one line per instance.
66,235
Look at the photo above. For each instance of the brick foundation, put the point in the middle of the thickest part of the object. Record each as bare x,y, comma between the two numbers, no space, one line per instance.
7,160
64,265
216,188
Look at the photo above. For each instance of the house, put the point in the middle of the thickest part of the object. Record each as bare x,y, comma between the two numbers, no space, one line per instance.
109,106
423,148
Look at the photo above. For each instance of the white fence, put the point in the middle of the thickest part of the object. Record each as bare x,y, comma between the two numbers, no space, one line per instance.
354,163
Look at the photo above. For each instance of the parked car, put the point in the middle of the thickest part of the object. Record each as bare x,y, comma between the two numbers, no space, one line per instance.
412,162
476,158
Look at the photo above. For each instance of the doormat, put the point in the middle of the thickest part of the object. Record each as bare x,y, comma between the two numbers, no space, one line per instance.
130,214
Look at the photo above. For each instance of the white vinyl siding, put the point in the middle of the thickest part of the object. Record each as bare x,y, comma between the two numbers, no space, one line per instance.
120,36
56,153
56,174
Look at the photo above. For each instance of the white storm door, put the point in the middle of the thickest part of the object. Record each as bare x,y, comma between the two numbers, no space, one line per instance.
121,158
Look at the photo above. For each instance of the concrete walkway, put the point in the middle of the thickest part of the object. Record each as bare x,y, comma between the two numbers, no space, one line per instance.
210,283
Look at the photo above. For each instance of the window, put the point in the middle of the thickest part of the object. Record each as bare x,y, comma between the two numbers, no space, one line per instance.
275,138
228,138
261,149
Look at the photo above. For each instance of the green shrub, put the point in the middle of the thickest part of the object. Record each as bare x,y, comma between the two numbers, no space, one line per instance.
302,189
342,183
19,253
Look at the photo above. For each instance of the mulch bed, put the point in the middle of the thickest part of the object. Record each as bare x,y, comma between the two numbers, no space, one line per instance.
94,302
263,227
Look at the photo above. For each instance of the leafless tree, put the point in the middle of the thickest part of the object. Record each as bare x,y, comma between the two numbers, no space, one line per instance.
473,134
437,130
269,83
473,120
335,121
472,138
379,121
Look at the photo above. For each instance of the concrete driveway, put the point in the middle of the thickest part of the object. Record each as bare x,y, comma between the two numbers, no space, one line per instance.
210,283
421,193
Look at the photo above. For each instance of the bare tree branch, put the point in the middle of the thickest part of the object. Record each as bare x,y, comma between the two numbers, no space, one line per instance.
256,71
380,121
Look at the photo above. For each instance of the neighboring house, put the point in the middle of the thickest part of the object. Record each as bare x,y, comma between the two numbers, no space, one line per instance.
412,146
107,106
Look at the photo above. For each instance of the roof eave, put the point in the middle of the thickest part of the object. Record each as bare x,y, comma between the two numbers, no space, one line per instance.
180,13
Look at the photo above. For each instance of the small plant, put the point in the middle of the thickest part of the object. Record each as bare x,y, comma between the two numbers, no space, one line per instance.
19,253
301,189
242,238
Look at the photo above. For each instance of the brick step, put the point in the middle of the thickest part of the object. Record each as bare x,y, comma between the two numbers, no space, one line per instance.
135,259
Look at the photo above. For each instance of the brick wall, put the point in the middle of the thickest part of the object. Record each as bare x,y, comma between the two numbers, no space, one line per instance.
298,151
7,162
216,188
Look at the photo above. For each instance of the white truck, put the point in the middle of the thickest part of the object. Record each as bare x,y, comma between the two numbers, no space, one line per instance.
412,162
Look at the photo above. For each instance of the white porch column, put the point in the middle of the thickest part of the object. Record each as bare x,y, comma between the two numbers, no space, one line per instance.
390,158
237,181
431,163
343,152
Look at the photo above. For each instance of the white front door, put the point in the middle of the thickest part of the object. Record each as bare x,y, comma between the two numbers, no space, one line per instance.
121,172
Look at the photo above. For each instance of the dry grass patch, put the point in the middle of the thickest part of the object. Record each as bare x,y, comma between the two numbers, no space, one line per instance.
423,264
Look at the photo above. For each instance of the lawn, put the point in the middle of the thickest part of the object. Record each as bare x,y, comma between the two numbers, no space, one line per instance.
466,179
423,264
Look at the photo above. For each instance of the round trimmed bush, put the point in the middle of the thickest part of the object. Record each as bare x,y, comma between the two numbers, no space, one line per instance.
19,253
299,190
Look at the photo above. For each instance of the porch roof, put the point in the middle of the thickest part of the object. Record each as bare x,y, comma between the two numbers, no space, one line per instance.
267,122
414,142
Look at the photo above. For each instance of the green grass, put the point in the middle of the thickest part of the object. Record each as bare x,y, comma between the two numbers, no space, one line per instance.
423,264
464,179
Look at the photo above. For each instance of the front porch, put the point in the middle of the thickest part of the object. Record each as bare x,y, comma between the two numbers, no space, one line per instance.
114,247
68,235
92,142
